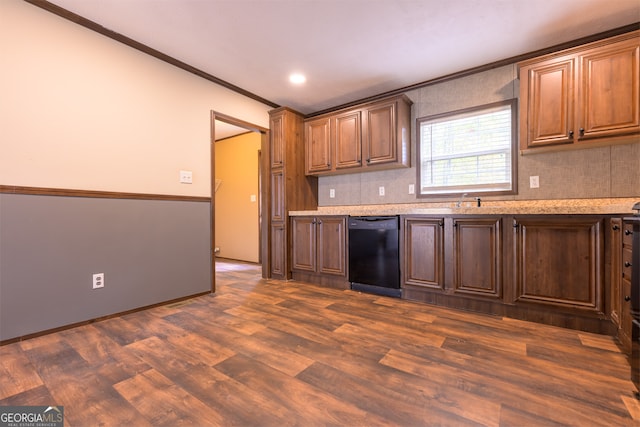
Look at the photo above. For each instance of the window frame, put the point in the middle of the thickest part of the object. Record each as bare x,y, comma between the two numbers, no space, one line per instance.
470,191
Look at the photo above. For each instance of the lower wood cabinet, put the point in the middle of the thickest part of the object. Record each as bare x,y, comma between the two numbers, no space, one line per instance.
319,249
423,252
559,262
542,268
460,255
477,249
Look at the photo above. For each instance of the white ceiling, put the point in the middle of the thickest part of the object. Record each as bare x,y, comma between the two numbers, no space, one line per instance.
348,49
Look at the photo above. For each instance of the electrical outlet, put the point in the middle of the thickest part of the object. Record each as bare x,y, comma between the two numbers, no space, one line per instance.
186,177
332,193
412,189
98,280
534,182
381,191
252,198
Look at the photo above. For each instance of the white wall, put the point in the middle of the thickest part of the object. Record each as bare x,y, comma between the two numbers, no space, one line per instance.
81,111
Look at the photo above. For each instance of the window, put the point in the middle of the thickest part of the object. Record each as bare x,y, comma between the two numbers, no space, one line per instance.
468,151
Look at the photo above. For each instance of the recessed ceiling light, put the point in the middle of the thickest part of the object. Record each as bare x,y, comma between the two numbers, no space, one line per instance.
297,78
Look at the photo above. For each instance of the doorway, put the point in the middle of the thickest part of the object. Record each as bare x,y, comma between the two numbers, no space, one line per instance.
224,126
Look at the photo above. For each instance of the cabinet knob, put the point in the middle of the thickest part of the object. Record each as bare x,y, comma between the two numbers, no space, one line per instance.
570,134
368,160
581,131
627,264
627,298
628,232
616,227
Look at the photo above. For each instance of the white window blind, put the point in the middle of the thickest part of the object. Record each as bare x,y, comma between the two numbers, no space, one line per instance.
469,151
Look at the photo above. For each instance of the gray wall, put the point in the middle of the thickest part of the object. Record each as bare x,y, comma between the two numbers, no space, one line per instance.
150,251
601,172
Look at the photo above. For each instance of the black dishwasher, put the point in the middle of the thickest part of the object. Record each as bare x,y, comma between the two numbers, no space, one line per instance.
374,264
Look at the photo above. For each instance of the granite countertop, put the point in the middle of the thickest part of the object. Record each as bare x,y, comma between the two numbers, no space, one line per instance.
504,207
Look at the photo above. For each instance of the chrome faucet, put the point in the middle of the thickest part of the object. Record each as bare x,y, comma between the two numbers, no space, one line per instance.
459,202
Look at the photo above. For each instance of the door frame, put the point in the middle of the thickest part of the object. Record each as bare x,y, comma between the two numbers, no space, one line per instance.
264,188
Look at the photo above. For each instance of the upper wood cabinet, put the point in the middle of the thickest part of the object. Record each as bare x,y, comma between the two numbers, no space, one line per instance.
317,145
333,143
546,100
348,140
381,135
582,94
371,136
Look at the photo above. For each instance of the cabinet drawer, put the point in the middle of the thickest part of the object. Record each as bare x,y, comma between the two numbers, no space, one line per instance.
626,263
627,234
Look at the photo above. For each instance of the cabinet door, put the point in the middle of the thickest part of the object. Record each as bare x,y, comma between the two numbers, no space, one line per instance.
277,195
609,97
318,146
277,130
547,110
477,256
423,252
380,141
303,240
332,253
559,262
278,251
348,140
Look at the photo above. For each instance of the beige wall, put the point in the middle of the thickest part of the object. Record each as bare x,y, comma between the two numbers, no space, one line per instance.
602,172
237,232
81,111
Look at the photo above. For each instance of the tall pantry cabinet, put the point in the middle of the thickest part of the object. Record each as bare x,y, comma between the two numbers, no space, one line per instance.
289,188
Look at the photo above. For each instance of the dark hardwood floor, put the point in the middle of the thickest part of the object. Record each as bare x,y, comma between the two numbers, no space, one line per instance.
274,353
